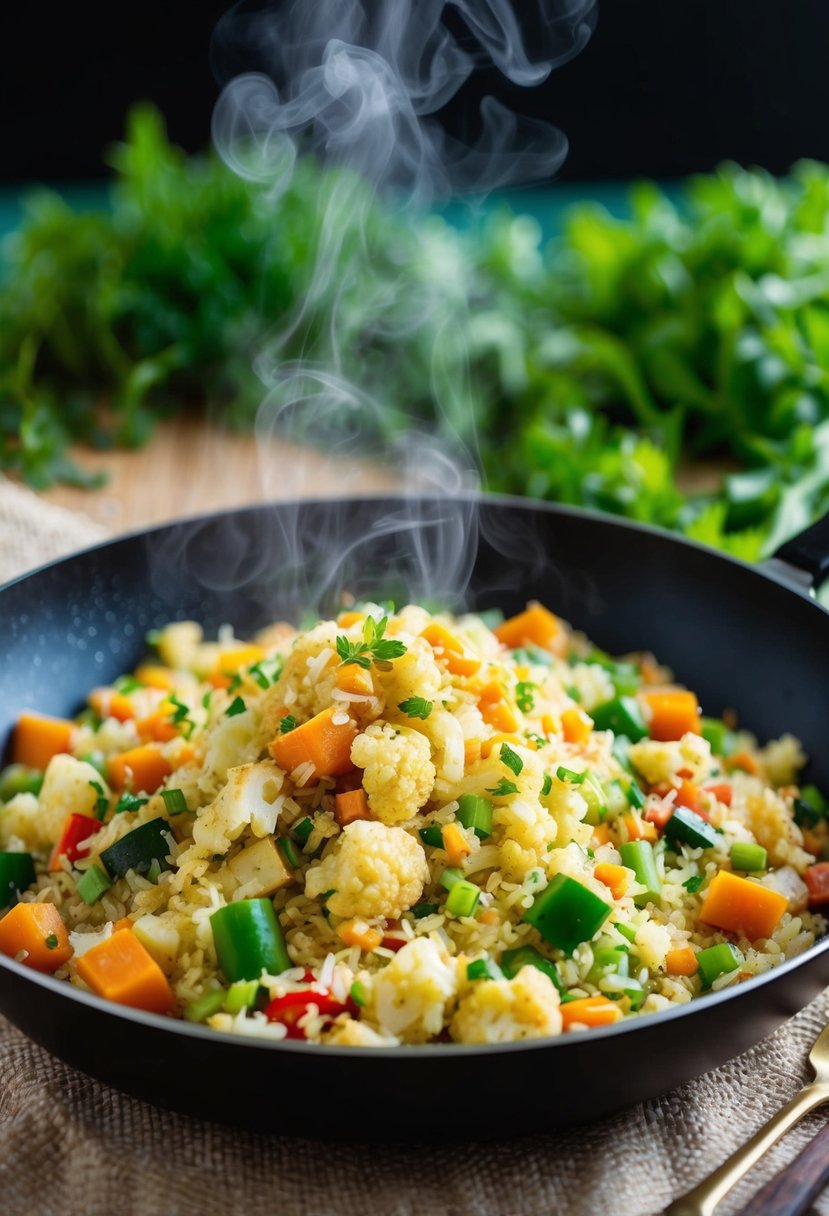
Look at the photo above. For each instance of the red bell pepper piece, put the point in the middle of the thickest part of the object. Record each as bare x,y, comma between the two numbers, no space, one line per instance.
76,829
722,792
817,880
293,1006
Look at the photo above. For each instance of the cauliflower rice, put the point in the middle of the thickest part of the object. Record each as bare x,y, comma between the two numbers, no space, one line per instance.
466,834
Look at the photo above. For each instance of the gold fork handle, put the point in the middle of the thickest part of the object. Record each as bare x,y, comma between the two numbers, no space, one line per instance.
702,1200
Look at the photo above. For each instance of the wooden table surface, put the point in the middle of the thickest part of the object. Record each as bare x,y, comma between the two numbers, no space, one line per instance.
191,466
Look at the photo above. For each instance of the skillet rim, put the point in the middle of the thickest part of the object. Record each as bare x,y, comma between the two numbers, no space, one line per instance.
417,1051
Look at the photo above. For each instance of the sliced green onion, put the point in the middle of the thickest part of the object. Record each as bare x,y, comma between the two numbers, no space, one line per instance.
463,896
432,836
175,802
92,885
484,969
638,856
626,931
547,785
303,830
622,715
566,913
615,797
593,794
717,960
475,811
748,857
205,1005
241,995
419,911
289,852
357,993
569,774
18,779
686,827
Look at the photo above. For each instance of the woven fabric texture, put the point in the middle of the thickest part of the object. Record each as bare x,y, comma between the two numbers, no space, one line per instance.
71,1145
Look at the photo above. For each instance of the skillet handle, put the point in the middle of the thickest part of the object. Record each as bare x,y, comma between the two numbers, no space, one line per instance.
808,553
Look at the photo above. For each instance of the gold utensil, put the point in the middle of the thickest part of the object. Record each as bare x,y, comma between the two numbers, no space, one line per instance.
703,1199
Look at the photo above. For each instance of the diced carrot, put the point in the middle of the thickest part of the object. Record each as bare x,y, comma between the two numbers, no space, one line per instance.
38,737
496,710
673,713
576,725
688,796
536,625
739,905
817,880
590,1011
158,726
155,676
142,769
355,933
602,834
121,969
812,842
351,805
682,961
321,741
184,755
455,843
39,930
354,679
123,923
639,829
109,703
722,792
614,877
745,761
231,661
451,650
217,679
346,619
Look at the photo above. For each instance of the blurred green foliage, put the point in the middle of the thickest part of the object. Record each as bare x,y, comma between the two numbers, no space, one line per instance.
580,372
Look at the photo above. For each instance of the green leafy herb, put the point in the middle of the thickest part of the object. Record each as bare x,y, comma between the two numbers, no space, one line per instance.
511,759
101,802
547,785
129,802
416,707
236,706
286,724
180,715
51,942
503,788
236,682
206,699
693,883
374,648
127,684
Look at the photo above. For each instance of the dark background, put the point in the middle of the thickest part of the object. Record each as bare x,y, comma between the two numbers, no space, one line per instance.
665,87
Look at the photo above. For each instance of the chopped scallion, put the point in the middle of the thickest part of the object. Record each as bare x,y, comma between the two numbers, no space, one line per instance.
175,802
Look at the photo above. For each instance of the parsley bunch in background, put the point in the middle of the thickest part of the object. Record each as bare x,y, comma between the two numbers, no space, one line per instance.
596,370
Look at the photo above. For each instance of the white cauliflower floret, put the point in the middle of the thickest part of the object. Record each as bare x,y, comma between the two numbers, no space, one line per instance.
592,683
398,771
250,798
372,869
660,762
766,816
307,682
414,674
652,944
409,996
231,743
528,830
501,1011
67,790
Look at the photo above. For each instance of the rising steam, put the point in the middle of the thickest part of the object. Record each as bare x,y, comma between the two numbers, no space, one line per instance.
359,86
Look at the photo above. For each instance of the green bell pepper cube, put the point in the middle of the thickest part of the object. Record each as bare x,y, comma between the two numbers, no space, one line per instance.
721,739
623,716
717,960
463,896
475,812
634,794
638,855
608,959
93,884
248,938
566,913
484,969
17,872
686,827
205,1005
241,995
527,956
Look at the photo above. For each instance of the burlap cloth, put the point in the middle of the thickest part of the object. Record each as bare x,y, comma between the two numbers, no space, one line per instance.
70,1145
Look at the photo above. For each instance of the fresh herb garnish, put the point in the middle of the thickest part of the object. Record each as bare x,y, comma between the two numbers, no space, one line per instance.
374,648
266,672
206,699
175,802
416,707
511,759
547,785
503,788
286,724
101,802
51,942
129,802
693,883
236,706
180,715
235,682
127,684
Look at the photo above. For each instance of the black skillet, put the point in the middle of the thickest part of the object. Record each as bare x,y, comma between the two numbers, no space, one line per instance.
740,636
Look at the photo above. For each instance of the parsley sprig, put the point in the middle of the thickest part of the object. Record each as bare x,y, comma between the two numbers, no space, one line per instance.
374,648
503,788
416,707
